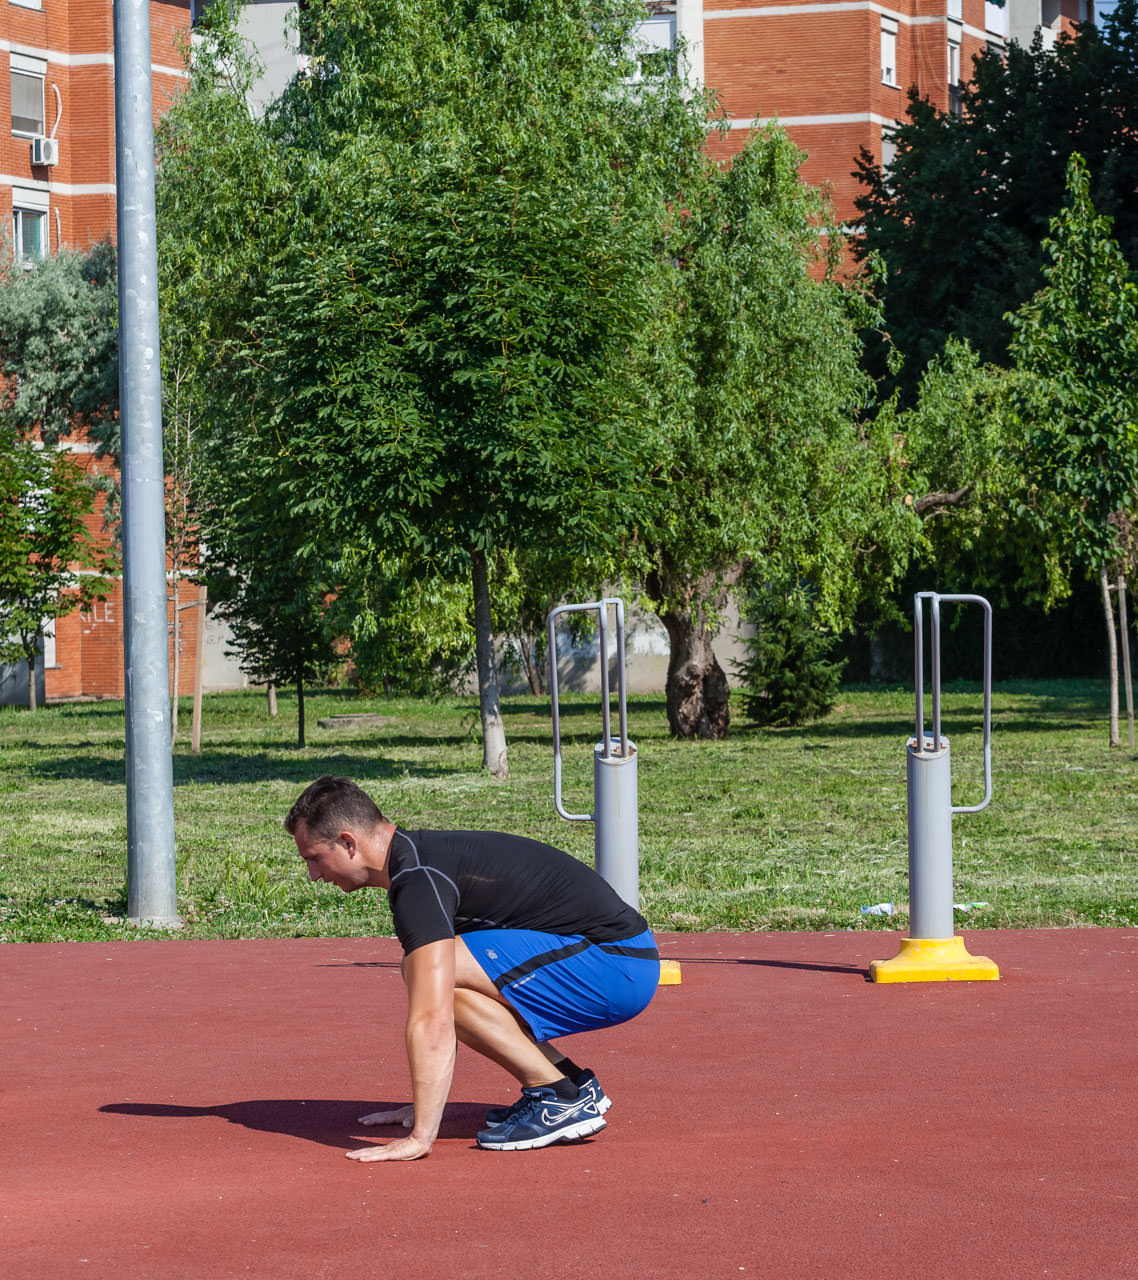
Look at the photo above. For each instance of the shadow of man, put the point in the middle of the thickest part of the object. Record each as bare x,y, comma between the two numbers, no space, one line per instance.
330,1122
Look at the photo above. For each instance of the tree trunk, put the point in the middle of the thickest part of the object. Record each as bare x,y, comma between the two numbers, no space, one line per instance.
531,661
877,672
32,703
273,700
1124,631
300,711
493,731
697,693
1112,649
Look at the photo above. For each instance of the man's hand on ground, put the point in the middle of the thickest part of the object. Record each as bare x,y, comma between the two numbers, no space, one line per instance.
409,1148
401,1115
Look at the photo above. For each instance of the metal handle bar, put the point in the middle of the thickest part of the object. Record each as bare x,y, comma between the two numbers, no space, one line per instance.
600,607
936,600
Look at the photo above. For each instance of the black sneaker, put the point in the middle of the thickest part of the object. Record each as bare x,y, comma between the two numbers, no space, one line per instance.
542,1119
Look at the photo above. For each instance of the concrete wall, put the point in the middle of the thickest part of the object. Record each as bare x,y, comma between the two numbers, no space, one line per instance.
14,684
270,27
646,654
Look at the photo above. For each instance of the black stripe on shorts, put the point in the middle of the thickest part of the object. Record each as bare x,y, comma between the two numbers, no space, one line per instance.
539,962
637,953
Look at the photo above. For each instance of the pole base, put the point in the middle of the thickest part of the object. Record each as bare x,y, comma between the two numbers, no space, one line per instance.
669,973
934,960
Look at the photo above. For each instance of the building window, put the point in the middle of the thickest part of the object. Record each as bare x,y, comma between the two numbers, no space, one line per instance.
29,235
27,95
889,51
49,658
996,19
955,10
654,48
954,62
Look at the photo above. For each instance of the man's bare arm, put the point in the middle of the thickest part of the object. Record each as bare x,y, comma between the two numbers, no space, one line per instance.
429,974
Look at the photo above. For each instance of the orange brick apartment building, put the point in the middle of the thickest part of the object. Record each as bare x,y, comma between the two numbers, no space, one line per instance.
57,173
834,73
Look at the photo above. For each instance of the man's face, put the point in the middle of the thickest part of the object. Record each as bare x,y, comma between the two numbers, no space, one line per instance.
337,862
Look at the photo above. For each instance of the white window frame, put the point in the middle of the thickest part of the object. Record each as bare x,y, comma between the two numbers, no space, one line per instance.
656,34
29,202
20,64
27,4
953,61
49,656
889,52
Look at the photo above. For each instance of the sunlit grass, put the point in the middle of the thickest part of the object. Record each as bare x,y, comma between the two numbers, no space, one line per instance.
786,829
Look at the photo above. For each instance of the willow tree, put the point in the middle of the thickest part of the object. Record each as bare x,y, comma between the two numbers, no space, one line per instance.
760,458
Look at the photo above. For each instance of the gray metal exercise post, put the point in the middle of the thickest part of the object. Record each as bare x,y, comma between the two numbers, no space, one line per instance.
615,816
932,953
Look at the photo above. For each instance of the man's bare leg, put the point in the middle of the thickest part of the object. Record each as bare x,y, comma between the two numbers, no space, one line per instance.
485,1023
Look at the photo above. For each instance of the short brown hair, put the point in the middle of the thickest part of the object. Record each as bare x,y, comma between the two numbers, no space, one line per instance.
331,805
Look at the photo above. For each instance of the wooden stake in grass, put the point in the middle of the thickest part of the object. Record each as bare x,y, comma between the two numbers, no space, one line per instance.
1124,631
199,663
1112,649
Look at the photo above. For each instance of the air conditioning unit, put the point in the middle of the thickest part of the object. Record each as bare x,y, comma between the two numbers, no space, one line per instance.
45,151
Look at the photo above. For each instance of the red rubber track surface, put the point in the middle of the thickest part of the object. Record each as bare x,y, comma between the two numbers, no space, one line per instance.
180,1109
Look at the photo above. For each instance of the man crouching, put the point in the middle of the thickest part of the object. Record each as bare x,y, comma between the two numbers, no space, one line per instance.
507,943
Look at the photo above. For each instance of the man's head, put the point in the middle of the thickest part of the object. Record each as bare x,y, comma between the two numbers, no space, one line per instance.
331,805
339,832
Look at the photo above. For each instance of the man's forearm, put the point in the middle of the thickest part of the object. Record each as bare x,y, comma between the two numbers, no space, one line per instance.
431,1047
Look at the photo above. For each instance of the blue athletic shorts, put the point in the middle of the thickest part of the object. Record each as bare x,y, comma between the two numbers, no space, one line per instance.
563,984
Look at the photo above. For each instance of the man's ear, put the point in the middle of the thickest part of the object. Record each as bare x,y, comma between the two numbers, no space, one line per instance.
349,842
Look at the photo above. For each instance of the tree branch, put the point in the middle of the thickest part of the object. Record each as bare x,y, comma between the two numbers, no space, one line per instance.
934,502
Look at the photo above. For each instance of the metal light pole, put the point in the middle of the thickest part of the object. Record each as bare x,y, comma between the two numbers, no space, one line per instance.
151,872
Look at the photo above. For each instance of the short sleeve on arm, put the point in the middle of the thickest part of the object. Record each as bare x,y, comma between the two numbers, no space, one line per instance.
423,903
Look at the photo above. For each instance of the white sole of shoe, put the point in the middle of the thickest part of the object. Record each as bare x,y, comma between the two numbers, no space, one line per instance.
582,1129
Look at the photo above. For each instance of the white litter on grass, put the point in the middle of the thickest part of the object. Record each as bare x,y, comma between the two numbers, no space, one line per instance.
878,909
967,906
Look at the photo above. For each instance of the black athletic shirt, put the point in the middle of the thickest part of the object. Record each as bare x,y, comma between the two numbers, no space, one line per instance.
448,882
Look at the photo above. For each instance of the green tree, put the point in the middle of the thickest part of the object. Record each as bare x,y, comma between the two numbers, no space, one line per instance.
1077,339
59,346
787,675
51,561
960,214
961,450
527,586
274,598
437,299
761,456
408,629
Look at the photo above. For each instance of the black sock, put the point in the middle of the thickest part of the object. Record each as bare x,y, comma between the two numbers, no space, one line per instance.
571,1070
566,1089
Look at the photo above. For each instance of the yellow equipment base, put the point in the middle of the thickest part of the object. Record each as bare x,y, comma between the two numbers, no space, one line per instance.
934,960
669,973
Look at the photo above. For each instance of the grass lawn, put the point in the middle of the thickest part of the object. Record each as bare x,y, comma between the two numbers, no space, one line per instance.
783,829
